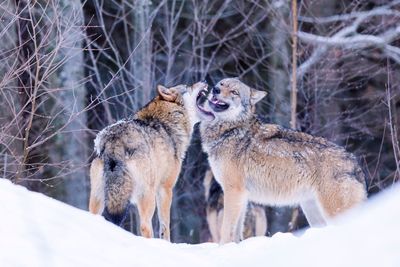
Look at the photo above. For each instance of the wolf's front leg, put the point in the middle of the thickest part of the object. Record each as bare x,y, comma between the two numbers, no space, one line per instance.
240,225
235,202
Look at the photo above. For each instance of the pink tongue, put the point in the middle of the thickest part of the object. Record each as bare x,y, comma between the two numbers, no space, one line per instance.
215,100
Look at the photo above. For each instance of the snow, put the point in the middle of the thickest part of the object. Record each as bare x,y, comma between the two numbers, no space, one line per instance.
39,231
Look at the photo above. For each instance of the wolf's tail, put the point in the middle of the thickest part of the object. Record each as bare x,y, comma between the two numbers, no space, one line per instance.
118,184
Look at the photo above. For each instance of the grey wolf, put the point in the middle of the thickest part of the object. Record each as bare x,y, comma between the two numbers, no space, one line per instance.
139,159
268,164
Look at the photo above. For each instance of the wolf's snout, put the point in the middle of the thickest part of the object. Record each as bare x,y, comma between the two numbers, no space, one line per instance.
202,97
204,85
216,90
200,86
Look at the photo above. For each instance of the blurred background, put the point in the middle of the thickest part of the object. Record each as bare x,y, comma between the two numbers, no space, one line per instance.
68,68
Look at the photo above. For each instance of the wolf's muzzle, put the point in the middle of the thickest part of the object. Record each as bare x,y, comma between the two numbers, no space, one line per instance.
216,90
218,105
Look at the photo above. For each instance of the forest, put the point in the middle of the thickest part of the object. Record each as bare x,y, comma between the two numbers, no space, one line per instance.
69,68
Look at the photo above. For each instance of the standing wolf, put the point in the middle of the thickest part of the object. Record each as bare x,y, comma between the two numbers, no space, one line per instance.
139,159
265,163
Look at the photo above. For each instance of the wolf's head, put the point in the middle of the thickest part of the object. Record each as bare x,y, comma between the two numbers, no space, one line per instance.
229,100
185,94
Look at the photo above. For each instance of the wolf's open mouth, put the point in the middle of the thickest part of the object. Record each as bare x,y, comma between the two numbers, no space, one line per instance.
218,105
200,100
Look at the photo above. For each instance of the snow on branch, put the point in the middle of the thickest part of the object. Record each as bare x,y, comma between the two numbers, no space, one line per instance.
355,41
379,11
349,38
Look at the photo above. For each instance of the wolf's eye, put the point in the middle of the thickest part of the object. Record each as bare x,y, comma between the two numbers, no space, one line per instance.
235,92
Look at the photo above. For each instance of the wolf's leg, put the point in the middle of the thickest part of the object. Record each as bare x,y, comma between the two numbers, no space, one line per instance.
261,221
220,217
213,225
339,195
313,213
146,205
96,201
164,200
235,201
240,225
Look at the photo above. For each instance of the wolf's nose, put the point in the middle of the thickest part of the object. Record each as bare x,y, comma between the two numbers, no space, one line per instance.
216,90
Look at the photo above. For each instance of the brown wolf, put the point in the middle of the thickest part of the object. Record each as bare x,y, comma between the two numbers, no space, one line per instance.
139,159
268,164
255,223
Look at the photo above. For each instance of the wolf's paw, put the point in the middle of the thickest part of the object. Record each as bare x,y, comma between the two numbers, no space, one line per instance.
164,232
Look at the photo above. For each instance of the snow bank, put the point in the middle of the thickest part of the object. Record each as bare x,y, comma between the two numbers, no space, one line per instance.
38,231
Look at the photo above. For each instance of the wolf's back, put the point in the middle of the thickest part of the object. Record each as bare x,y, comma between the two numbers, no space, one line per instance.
117,183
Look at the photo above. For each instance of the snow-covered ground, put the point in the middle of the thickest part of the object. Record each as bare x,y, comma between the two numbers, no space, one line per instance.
38,231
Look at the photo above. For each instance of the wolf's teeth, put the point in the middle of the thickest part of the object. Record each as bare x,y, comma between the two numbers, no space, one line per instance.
221,103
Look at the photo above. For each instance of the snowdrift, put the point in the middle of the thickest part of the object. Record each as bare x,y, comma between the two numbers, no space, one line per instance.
39,231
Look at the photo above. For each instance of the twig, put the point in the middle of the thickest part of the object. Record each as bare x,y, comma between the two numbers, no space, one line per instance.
293,93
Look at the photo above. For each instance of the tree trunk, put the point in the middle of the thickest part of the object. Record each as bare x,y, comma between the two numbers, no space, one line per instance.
279,77
28,74
280,62
142,55
10,146
70,147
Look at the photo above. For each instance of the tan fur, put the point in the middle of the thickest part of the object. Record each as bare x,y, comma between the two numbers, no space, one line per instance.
265,163
96,201
144,154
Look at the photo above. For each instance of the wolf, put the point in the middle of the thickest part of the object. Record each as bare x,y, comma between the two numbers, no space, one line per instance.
268,164
139,159
255,223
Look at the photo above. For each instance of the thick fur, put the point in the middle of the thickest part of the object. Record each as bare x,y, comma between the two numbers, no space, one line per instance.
255,223
139,159
268,164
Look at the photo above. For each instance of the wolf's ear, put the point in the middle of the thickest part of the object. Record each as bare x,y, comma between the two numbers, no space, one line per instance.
168,94
256,95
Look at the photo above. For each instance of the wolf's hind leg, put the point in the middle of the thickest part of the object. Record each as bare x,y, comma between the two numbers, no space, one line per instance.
164,200
340,195
146,206
313,213
96,201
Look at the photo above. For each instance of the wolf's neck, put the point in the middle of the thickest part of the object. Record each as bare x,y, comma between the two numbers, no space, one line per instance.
172,118
211,132
172,114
